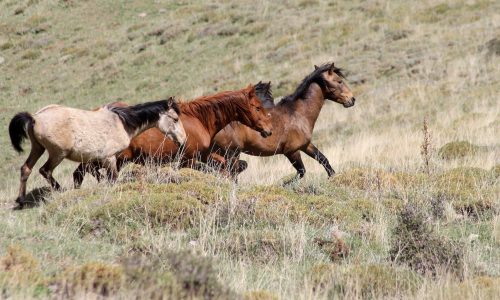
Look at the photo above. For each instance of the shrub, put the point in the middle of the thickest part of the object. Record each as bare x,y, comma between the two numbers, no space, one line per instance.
31,54
197,276
378,280
146,278
460,149
417,245
374,180
260,295
19,269
261,245
366,281
94,277
470,190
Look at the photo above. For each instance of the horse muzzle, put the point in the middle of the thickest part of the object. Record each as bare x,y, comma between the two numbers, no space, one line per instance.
265,133
350,102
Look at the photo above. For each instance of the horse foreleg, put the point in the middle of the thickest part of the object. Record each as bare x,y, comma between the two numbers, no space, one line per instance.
78,175
234,164
219,163
35,154
48,167
313,152
83,168
111,169
297,163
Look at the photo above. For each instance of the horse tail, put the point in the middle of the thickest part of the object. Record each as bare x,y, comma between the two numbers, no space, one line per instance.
18,129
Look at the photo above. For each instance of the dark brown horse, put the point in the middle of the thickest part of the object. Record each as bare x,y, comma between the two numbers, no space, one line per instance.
202,119
293,123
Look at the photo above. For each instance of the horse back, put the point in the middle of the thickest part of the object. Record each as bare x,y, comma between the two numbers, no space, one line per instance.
80,133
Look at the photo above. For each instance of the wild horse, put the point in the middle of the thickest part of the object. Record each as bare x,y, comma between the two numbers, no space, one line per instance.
293,120
202,118
87,136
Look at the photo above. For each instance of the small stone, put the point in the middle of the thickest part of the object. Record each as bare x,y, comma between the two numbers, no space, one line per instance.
162,10
143,15
65,58
2,60
473,237
19,11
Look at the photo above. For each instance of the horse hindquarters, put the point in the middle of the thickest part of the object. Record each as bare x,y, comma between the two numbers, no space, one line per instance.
26,169
21,127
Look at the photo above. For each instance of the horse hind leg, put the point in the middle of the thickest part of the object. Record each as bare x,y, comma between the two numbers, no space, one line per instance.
35,154
48,167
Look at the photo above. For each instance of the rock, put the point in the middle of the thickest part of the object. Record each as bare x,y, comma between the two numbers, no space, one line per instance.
162,10
142,15
65,58
2,60
19,11
493,47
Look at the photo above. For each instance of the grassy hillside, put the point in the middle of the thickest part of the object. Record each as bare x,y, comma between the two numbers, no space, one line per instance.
388,225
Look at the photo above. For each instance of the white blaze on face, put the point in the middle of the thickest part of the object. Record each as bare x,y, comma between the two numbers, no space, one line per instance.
170,124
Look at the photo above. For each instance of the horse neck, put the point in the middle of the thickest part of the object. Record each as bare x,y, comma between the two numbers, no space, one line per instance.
309,106
143,127
218,113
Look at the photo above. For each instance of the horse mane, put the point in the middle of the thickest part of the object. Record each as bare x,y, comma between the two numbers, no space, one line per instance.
215,109
136,116
314,77
265,94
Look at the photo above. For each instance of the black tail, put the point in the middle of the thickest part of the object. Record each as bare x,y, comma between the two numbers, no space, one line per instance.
18,129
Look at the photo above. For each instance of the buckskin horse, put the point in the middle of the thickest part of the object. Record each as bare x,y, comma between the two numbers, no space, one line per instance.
87,136
293,120
202,118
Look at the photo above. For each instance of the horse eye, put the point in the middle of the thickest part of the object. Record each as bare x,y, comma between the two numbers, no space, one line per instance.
258,108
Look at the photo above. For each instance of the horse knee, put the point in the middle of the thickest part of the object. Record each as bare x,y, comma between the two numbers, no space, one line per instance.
44,172
25,172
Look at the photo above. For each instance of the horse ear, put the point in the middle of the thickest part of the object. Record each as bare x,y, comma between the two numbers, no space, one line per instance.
251,92
171,102
269,87
316,67
332,68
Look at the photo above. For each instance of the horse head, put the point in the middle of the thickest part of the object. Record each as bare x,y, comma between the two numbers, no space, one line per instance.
334,87
170,124
258,117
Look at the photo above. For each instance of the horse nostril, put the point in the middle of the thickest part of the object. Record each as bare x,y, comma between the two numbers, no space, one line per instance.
353,99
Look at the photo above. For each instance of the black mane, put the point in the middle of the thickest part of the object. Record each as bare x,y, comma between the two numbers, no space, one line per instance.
265,94
136,116
314,77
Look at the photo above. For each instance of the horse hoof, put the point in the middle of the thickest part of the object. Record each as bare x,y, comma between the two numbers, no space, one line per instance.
242,166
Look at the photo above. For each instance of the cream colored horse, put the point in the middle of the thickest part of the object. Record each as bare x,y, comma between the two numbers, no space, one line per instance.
88,136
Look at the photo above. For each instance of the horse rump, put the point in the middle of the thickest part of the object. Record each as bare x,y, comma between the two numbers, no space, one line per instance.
18,129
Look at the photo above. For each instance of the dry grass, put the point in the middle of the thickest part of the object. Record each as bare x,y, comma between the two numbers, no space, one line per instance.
188,234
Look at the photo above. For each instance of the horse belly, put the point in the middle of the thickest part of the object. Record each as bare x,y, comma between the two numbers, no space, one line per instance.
105,141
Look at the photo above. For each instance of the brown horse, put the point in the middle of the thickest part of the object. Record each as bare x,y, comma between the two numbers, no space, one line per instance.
87,136
202,119
293,123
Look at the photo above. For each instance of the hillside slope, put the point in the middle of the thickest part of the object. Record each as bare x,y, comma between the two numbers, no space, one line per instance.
260,239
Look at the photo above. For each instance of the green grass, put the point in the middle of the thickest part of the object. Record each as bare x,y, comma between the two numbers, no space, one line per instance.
185,234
